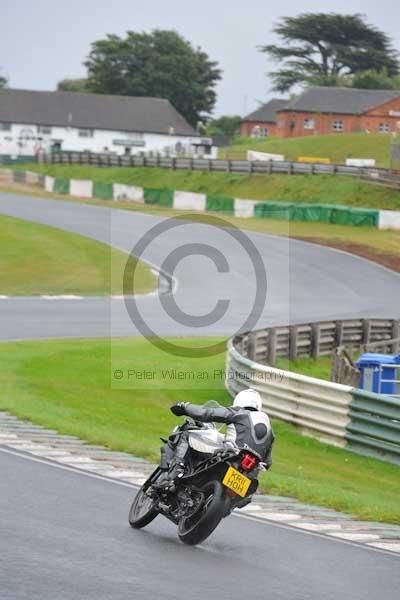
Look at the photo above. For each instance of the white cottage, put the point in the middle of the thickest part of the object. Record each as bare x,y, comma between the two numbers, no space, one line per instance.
33,121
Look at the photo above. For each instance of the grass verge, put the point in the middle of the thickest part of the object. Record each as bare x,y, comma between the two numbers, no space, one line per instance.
66,385
37,259
381,246
334,146
321,189
320,367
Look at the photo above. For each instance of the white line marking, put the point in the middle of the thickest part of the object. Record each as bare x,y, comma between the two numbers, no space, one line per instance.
392,546
357,537
2,297
61,297
318,526
370,547
271,516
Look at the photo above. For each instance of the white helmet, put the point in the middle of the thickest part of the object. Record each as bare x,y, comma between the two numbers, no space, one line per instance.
248,399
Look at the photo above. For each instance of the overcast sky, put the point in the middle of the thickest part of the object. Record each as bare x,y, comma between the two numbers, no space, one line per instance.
43,41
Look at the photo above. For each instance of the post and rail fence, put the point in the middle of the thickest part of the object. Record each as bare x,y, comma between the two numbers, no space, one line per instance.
372,174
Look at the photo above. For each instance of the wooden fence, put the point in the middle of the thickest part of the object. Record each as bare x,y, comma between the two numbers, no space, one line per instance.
376,175
319,339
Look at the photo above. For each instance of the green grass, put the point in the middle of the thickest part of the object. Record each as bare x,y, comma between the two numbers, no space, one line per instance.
66,385
320,368
337,147
37,259
322,189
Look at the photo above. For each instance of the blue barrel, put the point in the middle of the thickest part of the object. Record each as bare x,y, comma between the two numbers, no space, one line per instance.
379,373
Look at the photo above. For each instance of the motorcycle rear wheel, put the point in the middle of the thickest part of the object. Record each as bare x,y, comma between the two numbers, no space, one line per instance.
194,530
142,511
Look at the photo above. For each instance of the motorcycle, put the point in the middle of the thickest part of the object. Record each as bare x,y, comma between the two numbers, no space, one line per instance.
215,482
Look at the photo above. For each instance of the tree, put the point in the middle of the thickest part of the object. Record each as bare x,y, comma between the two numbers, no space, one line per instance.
374,80
224,126
3,81
160,64
319,48
73,85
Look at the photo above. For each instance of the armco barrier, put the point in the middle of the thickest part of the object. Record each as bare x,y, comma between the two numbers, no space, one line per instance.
314,405
362,422
183,200
374,426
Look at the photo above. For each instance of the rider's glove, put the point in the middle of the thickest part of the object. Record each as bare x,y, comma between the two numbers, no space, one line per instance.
178,409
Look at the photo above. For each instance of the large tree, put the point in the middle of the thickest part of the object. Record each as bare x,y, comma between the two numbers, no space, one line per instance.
160,64
226,125
320,48
73,85
375,81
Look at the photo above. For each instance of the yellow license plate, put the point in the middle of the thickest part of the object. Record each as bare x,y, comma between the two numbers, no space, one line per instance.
236,481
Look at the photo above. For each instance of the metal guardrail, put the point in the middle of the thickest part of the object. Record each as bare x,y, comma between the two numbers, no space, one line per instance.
374,427
219,165
317,406
363,422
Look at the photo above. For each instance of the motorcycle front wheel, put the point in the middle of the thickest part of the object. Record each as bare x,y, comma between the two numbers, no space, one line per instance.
142,511
195,528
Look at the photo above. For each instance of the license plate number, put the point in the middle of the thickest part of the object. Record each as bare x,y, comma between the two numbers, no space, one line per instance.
236,481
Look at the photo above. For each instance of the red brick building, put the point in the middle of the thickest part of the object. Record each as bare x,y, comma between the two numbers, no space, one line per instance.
323,110
262,122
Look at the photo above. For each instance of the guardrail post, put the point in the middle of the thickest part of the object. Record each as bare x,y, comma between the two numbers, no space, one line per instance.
339,333
315,340
396,335
366,328
293,337
272,343
228,165
270,165
252,345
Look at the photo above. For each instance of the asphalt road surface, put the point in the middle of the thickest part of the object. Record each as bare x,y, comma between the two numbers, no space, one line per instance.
305,282
65,536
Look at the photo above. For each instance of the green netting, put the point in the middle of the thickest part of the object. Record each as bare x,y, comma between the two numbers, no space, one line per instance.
102,190
310,212
61,186
273,210
320,213
160,197
220,204
354,216
19,176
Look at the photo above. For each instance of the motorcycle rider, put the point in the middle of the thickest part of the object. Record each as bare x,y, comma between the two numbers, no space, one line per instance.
248,426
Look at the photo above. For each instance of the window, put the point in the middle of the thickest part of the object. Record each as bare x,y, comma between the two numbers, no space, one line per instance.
5,126
258,131
338,125
44,129
309,124
86,133
384,127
